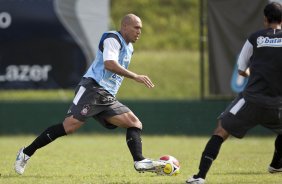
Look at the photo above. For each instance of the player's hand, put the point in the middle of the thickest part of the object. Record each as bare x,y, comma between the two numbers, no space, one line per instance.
145,80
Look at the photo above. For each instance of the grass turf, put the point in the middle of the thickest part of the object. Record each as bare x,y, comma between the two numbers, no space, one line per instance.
105,159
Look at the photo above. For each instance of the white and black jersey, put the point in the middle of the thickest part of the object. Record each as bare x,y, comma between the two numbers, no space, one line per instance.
265,82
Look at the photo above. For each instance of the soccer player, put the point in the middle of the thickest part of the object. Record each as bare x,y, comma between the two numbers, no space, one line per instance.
261,101
95,97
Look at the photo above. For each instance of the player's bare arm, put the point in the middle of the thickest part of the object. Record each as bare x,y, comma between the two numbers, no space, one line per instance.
245,73
115,67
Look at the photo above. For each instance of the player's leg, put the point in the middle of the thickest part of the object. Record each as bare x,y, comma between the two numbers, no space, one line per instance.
211,150
236,121
271,118
276,163
69,125
133,133
209,154
133,138
77,114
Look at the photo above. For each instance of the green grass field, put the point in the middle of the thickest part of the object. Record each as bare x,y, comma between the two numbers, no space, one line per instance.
105,159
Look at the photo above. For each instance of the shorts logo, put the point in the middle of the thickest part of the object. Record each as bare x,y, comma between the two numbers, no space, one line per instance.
85,110
69,111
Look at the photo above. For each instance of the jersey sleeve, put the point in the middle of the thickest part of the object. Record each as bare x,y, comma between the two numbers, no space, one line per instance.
245,55
111,49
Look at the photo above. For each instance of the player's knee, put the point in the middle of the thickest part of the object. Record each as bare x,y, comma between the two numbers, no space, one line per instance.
71,125
220,131
138,124
70,130
133,121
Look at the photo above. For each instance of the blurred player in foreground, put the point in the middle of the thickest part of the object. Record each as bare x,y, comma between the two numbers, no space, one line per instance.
95,97
261,101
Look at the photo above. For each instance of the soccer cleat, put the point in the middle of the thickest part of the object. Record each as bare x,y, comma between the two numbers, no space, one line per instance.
273,170
193,180
21,161
148,165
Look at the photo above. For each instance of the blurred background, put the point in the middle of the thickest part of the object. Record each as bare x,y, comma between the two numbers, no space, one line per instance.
188,48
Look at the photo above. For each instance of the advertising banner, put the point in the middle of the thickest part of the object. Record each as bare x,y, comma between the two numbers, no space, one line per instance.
48,44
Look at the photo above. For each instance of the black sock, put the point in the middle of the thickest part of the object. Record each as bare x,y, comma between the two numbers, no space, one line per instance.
49,135
277,156
209,155
134,143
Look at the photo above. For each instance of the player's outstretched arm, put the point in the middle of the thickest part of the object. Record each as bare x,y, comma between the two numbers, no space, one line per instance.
115,67
145,80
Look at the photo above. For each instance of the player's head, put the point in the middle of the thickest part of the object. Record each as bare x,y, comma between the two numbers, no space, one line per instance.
131,26
273,12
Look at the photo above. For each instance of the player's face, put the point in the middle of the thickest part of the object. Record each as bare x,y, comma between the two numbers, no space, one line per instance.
134,30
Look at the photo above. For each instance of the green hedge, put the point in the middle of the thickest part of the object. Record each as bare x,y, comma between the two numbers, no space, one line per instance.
158,117
167,24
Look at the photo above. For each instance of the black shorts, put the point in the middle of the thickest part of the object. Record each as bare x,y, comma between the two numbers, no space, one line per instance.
240,116
92,100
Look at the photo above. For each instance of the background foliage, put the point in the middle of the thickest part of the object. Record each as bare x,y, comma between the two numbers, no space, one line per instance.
167,24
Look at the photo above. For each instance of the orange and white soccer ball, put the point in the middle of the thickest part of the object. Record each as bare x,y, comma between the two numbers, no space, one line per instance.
172,166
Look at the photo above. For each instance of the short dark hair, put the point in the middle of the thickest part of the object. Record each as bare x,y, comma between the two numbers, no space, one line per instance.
273,12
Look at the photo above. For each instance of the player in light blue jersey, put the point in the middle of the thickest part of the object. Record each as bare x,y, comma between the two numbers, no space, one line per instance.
106,78
95,97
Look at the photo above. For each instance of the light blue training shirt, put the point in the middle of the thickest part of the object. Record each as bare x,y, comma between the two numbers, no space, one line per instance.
105,78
